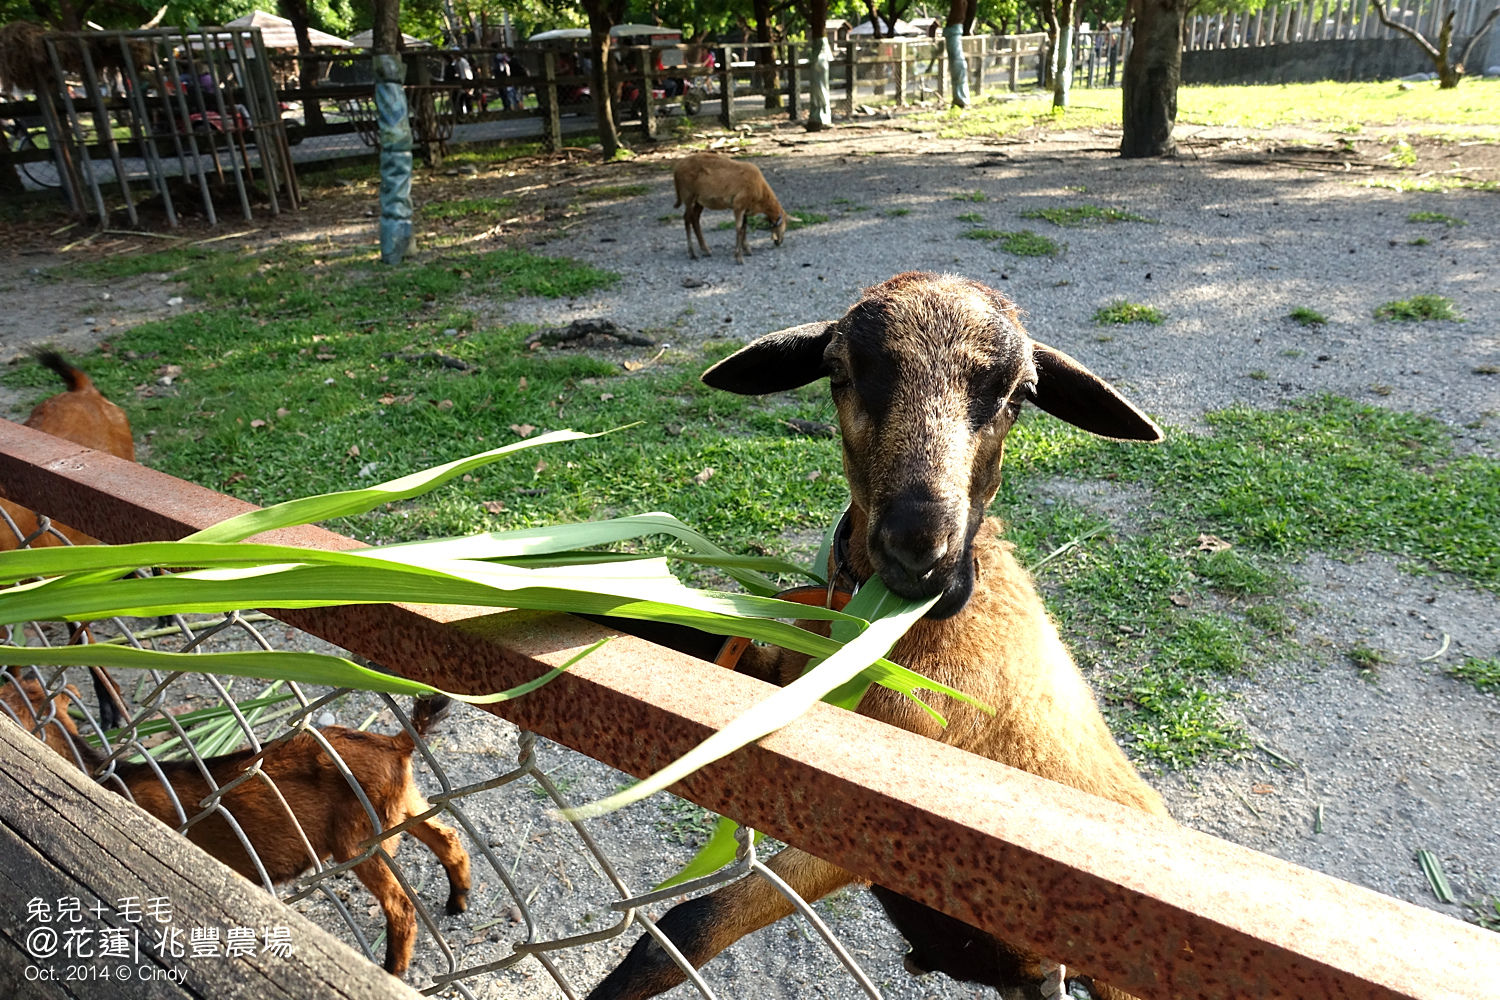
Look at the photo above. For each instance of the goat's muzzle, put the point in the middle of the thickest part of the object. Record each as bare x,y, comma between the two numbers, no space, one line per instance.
918,551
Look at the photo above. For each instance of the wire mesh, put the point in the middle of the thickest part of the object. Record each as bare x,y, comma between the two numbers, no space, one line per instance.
552,904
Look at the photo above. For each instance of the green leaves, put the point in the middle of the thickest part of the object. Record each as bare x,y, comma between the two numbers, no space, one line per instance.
558,568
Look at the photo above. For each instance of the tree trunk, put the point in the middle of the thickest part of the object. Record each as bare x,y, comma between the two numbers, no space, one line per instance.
1153,72
307,62
603,15
819,113
953,42
1062,73
765,57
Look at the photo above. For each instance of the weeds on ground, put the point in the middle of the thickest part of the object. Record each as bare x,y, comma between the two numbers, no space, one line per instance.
1484,674
1436,217
1307,317
1020,244
1419,309
1121,312
1073,216
468,208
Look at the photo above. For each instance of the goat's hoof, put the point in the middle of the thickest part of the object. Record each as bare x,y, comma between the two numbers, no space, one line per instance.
458,902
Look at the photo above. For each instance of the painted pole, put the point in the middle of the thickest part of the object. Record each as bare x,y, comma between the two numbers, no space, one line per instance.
958,68
395,157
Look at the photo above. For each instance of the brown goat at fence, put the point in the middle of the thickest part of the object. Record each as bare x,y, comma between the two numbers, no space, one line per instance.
79,414
298,771
928,374
709,180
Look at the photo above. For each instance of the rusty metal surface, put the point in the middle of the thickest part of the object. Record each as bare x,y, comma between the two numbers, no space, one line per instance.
1154,909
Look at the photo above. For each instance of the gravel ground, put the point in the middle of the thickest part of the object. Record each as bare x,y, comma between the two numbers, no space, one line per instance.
1244,227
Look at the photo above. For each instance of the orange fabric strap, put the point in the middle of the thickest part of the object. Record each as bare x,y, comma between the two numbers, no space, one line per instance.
817,597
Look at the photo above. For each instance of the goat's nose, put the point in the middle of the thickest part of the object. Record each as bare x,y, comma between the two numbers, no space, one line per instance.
915,540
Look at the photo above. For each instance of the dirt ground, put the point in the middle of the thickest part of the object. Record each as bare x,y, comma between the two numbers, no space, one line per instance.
1351,776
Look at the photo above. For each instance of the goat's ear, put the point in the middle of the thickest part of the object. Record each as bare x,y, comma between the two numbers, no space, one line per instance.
1069,391
782,360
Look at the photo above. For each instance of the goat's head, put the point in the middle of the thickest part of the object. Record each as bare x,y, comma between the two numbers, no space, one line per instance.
778,227
928,374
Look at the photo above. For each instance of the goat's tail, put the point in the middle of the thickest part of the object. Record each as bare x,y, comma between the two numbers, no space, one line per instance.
75,379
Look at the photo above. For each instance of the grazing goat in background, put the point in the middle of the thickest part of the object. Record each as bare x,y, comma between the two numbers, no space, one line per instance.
928,374
315,791
708,180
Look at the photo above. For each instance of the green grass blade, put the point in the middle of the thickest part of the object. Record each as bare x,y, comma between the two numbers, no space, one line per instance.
304,668
508,545
718,852
310,510
775,711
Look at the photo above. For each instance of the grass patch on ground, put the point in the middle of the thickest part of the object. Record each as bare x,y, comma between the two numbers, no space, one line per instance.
467,208
1307,317
309,371
1334,104
1073,216
1418,309
1437,217
1021,244
1347,107
1121,312
1158,619
1483,674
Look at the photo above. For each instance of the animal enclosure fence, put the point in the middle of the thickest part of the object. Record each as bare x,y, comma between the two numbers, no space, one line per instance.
135,112
1156,910
1314,21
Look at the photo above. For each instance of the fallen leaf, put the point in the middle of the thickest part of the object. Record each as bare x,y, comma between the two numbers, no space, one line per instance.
354,451
257,423
521,385
1263,789
605,397
236,478
445,404
814,475
703,476
282,412
523,430
633,366
1213,543
494,506
386,400
325,355
541,467
171,371
1181,600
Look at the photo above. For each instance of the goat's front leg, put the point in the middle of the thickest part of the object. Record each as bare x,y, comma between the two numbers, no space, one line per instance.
703,927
